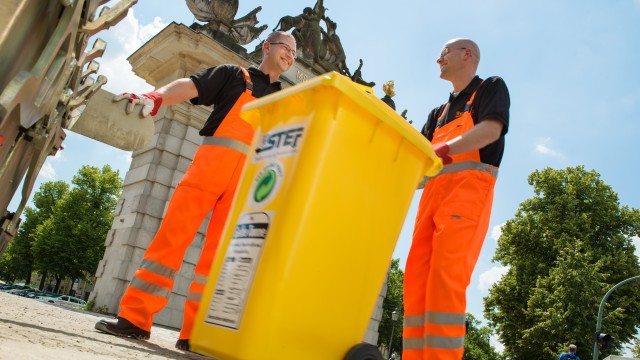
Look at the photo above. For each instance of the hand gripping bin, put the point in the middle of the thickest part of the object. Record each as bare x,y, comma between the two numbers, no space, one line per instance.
314,224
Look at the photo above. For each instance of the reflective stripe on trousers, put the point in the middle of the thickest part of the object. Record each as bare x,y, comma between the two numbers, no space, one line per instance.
145,282
461,166
434,318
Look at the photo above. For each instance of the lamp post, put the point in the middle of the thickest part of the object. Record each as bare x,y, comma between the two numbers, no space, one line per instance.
394,318
596,350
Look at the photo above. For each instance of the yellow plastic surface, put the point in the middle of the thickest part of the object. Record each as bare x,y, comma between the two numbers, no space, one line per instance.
314,224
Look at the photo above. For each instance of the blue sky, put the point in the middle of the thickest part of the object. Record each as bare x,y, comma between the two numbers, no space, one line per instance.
571,68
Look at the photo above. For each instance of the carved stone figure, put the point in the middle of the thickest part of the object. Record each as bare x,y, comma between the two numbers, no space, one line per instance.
214,10
287,23
219,16
244,30
309,35
331,50
404,115
357,77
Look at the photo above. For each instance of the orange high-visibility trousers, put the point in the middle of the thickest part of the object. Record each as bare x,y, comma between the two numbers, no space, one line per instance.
452,221
209,183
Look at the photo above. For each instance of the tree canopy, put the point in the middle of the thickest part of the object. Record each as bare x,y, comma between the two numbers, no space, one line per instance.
565,248
70,243
635,350
477,342
17,262
392,302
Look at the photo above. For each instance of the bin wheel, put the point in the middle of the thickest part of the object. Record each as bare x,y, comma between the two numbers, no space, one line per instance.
363,351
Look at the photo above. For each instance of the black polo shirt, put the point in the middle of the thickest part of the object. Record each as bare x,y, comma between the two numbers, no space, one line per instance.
221,86
491,102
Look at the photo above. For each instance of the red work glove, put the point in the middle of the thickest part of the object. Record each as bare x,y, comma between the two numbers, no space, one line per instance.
151,102
442,150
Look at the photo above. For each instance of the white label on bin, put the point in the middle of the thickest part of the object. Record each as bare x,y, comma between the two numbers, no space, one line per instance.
266,185
279,142
239,267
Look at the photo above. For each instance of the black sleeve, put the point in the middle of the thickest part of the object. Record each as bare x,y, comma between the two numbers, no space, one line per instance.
210,82
430,126
492,102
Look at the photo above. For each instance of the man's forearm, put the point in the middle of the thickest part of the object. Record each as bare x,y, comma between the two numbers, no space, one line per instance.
480,136
178,91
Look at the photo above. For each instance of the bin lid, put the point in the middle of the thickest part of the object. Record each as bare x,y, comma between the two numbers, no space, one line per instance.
366,100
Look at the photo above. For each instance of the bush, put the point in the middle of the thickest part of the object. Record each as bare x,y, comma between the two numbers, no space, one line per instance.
91,306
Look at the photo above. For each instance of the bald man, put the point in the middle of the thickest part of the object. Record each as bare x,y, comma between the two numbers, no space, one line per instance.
467,133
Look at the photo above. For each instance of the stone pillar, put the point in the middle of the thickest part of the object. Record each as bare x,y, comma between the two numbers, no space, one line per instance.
176,52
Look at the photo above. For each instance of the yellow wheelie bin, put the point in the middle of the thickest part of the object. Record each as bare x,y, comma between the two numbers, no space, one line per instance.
313,226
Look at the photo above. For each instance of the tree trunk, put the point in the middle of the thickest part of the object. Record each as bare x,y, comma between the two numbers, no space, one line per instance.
43,279
58,281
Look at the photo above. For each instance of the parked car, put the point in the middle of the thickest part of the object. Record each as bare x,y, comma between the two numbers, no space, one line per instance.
8,288
64,300
22,292
40,294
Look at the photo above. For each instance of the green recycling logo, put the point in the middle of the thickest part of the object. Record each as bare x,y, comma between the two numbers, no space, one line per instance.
266,184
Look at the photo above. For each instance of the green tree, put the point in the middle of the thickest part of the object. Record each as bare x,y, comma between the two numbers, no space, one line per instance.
18,258
477,345
392,302
635,350
71,242
565,248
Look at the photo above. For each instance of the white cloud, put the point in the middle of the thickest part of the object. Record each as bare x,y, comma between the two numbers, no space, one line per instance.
495,342
636,242
496,232
543,146
47,171
491,276
127,37
131,34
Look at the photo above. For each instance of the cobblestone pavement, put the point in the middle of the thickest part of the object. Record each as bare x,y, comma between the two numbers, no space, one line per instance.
31,329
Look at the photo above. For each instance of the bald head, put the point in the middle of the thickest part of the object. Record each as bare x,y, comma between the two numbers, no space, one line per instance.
468,44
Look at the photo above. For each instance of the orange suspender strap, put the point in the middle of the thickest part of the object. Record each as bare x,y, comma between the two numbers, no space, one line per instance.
467,106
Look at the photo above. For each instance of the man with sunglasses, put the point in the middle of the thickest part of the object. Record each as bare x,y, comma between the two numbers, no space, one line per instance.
208,184
467,133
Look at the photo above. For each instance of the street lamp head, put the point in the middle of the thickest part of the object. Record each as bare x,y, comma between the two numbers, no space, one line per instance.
394,315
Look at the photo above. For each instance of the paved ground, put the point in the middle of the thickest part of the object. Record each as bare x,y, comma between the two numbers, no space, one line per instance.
30,329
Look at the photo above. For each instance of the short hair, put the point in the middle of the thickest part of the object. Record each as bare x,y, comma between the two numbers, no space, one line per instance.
572,348
278,35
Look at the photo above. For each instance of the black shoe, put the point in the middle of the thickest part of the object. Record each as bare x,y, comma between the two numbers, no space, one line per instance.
182,344
122,327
